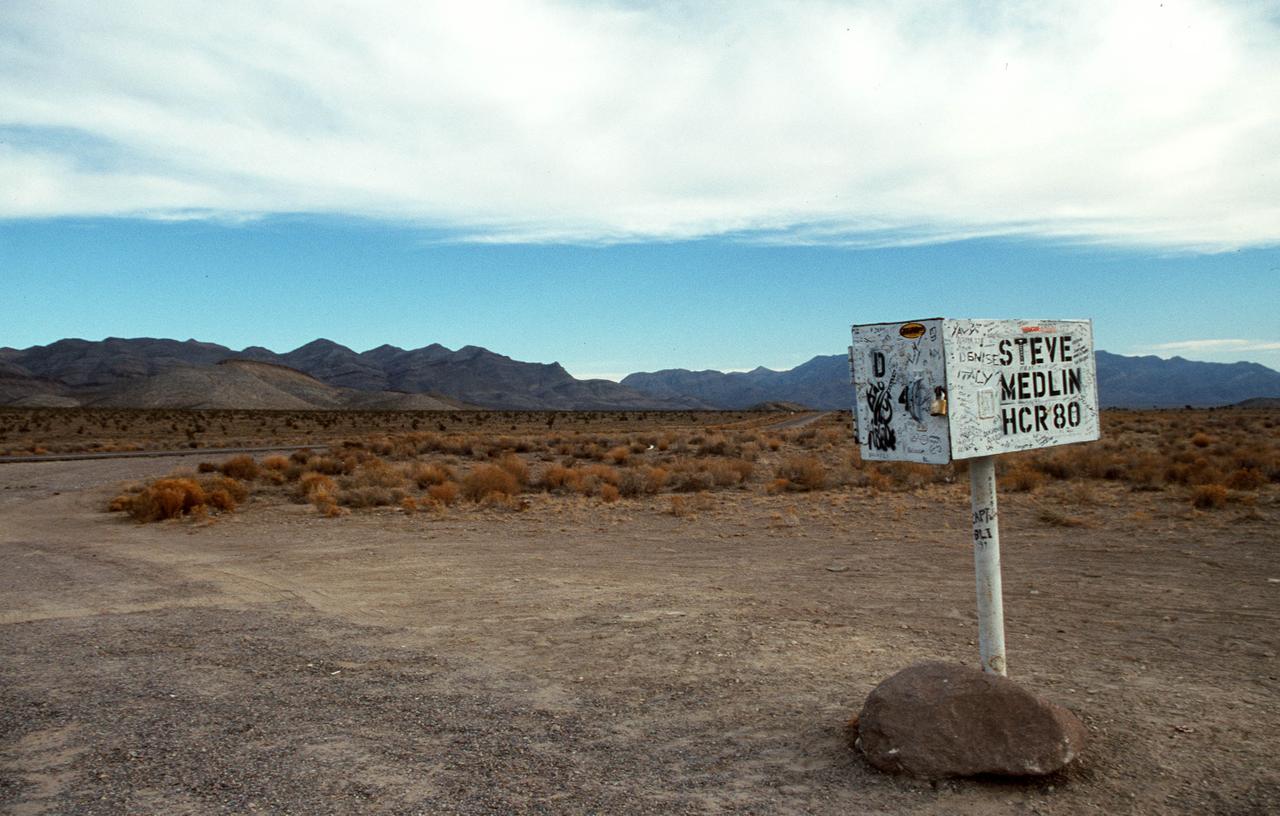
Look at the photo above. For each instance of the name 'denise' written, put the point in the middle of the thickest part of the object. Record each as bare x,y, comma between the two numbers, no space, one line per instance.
1045,380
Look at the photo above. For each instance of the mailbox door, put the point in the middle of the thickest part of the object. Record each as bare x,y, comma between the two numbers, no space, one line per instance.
899,379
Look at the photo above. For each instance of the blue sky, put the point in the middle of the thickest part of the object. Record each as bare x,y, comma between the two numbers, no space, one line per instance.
632,186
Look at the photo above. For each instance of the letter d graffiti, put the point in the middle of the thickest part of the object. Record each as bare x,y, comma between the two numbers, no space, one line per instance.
877,363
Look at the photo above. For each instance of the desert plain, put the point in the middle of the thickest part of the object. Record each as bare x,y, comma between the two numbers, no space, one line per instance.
648,613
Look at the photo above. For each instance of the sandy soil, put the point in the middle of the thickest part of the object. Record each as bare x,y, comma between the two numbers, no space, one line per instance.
590,658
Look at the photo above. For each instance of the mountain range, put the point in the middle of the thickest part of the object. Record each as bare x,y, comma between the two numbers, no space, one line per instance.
1123,382
150,372
145,372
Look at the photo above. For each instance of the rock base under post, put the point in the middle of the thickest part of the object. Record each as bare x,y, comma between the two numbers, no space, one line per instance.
936,720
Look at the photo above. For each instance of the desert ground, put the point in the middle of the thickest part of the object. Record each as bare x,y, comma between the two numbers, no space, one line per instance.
646,615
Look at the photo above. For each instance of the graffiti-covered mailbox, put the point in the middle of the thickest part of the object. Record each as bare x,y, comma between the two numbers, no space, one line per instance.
941,389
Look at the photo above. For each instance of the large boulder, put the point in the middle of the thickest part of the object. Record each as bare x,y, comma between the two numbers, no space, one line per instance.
936,720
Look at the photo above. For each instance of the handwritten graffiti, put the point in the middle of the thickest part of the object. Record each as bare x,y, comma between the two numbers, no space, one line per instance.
881,436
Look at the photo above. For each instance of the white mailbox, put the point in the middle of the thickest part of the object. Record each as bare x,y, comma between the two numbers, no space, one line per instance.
941,389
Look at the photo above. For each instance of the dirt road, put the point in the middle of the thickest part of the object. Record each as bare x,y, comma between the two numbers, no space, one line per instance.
589,658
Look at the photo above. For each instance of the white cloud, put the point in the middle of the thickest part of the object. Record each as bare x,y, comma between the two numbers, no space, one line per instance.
1220,346
868,123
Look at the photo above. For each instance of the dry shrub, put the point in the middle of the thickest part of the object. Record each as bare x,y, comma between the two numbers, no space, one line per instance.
619,455
207,467
275,462
879,480
1199,471
166,499
1246,479
609,493
1021,478
803,472
594,477
446,493
220,499
375,473
240,467
424,475
370,496
778,486
311,483
560,478
683,507
641,481
1057,518
331,465
224,493
1202,440
1209,496
328,506
516,467
489,480
655,478
690,477
728,472
911,475
408,505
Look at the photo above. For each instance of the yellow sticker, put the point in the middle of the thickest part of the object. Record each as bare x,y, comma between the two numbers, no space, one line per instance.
912,331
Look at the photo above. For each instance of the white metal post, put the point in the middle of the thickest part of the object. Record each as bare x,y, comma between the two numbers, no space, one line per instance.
986,563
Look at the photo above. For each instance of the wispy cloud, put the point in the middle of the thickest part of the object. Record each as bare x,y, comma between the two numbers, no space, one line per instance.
870,123
1226,345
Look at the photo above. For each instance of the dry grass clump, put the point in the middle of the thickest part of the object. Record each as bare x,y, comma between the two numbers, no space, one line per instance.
729,472
167,498
802,472
588,480
1056,518
241,467
321,491
644,480
425,474
891,477
375,473
514,465
1023,477
446,493
1246,478
486,481
559,479
225,493
1209,496
689,506
370,496
276,462
174,497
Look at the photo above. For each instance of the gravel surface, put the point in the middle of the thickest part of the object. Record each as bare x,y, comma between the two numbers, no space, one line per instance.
584,658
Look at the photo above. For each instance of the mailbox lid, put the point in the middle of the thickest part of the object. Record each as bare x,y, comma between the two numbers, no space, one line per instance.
899,379
1020,384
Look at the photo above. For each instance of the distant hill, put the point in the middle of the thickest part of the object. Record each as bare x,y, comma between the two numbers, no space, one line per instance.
172,373
823,382
248,384
1145,382
325,374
